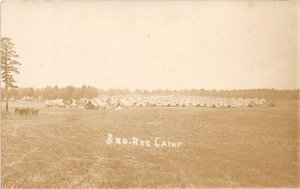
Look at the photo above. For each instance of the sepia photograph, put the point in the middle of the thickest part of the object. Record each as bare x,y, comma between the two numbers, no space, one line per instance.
149,94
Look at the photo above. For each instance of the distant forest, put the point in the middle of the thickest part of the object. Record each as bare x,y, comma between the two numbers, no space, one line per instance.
71,92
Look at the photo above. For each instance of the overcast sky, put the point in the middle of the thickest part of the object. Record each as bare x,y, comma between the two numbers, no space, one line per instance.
150,45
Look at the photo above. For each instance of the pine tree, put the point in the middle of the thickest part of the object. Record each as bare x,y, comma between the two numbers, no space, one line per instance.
8,66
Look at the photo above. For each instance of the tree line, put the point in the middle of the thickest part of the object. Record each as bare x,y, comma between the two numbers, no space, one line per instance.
71,92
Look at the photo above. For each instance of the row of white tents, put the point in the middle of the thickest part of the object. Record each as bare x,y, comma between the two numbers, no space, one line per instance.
114,102
60,103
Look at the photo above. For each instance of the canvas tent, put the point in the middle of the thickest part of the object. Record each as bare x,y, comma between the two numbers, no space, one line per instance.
95,103
250,104
60,103
48,103
73,104
118,108
91,104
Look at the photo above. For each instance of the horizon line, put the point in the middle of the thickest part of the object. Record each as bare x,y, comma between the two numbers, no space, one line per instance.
143,89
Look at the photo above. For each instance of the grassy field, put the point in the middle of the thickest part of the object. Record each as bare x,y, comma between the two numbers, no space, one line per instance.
235,147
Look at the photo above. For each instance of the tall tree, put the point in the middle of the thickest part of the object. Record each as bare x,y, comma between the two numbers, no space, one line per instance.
8,66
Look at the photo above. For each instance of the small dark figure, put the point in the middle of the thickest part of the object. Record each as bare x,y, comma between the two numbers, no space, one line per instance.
24,111
37,112
16,111
21,111
34,111
27,111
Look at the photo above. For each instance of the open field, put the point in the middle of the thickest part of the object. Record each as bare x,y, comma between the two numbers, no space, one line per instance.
234,147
